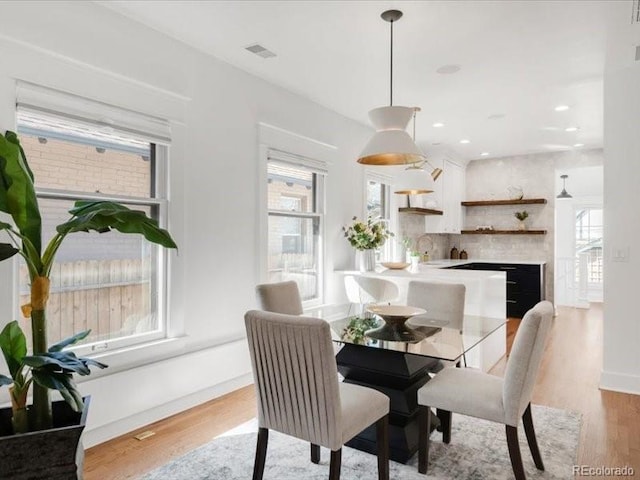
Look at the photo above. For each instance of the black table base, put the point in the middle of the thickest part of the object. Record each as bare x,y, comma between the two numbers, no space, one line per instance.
398,375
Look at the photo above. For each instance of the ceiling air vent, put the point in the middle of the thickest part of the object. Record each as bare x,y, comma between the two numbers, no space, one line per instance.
260,51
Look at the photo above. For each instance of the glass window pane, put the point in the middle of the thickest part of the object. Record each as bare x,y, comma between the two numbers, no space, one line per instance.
375,199
103,282
67,165
293,252
290,189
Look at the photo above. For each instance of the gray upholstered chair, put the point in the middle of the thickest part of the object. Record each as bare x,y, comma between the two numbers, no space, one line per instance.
502,400
299,394
282,297
442,301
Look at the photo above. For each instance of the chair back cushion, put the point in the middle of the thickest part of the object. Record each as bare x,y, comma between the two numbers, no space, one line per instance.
376,290
524,361
283,297
442,301
295,375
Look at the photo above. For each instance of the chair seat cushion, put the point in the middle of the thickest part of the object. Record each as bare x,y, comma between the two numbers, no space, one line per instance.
361,407
465,391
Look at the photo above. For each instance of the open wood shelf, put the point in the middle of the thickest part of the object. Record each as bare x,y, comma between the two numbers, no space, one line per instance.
503,232
486,203
420,211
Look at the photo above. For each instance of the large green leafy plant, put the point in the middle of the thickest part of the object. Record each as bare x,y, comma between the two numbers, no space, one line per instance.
48,367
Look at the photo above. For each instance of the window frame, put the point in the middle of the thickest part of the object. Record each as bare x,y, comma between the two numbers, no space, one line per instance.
158,201
387,250
318,169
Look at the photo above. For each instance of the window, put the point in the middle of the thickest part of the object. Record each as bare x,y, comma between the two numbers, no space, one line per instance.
589,225
113,283
377,203
295,206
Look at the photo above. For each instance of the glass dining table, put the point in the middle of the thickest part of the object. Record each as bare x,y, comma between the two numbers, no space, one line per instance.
400,368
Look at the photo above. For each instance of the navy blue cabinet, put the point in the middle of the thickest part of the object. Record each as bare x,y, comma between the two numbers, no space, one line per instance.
525,283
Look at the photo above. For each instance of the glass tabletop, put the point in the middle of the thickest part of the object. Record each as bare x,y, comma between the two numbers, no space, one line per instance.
440,341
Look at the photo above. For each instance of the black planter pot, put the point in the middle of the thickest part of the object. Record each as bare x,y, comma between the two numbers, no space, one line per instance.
54,454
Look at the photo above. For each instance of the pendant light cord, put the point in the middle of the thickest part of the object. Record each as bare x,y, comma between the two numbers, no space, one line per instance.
391,69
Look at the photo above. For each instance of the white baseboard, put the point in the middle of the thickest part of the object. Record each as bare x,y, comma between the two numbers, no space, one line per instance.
620,382
101,434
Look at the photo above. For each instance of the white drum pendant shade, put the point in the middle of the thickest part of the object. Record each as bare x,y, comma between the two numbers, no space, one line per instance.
414,181
391,144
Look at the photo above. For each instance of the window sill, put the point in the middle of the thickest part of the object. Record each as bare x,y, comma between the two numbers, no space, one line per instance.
135,356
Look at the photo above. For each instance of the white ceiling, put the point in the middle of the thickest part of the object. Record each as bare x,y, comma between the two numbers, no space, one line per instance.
517,58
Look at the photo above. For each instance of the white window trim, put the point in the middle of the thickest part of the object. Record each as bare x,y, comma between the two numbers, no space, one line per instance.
388,249
319,168
31,97
277,138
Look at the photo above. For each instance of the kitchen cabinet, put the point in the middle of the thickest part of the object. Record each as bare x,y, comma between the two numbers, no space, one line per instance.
525,283
449,192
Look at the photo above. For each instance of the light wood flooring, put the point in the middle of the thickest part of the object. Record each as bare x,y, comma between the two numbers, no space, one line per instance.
568,379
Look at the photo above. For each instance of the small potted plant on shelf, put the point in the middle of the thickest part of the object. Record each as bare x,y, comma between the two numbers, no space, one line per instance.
41,441
522,216
365,237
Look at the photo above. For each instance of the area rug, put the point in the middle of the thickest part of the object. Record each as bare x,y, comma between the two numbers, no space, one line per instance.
478,450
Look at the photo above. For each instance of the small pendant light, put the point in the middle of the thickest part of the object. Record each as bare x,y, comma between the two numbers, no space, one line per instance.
391,144
415,180
563,193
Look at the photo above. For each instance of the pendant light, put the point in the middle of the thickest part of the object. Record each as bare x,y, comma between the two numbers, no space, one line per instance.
414,180
563,193
391,144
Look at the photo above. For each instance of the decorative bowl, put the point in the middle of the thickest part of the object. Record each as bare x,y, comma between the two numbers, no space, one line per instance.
395,265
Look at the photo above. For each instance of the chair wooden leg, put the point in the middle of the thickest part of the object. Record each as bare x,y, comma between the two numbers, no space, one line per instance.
334,464
261,453
382,439
527,420
445,425
424,429
514,452
315,453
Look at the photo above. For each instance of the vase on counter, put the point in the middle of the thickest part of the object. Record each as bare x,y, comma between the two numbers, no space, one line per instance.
366,260
415,261
521,225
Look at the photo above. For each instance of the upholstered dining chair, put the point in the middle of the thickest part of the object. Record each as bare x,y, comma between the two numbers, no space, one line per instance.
299,394
442,301
502,400
281,297
369,290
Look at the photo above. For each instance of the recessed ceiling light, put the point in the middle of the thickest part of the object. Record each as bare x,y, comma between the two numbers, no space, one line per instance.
571,129
496,116
484,154
561,108
465,141
438,124
448,69
578,144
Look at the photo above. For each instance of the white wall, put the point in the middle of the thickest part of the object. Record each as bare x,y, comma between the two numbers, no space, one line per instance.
621,355
215,109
